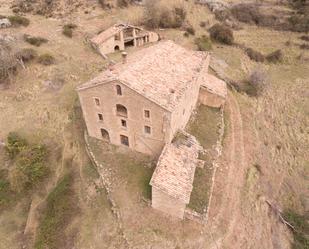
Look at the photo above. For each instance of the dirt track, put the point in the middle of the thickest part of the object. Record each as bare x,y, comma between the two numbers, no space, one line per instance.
230,178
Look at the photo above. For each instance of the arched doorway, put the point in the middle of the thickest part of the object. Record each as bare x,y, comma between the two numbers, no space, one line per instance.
116,48
105,135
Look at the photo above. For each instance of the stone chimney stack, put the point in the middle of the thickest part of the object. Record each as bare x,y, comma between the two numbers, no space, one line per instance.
124,57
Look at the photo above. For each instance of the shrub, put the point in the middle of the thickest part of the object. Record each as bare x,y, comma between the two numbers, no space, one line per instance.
8,62
15,144
203,24
255,55
26,54
190,30
158,15
123,3
19,21
35,40
247,13
304,46
299,23
304,37
203,43
301,228
274,57
67,29
221,34
258,82
223,15
104,4
46,59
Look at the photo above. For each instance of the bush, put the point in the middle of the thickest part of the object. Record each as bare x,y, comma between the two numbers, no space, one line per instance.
203,24
258,82
8,62
203,43
221,34
104,4
304,38
247,13
223,15
46,59
301,228
274,57
26,54
19,21
299,23
123,3
67,29
35,40
190,30
158,15
255,55
304,46
15,144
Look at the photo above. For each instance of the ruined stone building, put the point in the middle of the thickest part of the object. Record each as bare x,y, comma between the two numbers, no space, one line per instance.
122,36
143,101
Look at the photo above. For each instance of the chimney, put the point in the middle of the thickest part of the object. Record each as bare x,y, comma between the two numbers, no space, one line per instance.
124,57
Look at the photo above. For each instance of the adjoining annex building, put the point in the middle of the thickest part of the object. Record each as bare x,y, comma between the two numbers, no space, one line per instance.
143,101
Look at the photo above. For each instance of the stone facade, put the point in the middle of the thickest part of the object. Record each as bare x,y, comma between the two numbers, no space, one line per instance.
122,36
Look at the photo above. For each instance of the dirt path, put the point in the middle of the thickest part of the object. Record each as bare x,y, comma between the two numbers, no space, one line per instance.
224,210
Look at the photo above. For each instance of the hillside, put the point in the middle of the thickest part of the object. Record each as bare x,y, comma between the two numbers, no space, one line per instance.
63,202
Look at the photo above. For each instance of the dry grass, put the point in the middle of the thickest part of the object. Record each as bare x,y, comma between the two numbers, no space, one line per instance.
205,129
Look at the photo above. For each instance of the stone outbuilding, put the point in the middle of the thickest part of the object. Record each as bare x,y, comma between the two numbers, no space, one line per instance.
172,181
122,36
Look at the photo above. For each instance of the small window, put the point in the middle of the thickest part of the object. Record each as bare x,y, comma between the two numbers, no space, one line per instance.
97,101
124,140
184,111
100,116
147,129
123,123
147,114
119,90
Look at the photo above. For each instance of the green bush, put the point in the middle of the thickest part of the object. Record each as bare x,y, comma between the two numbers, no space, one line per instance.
15,144
301,228
221,33
31,164
203,43
35,40
275,57
19,21
67,29
61,206
46,59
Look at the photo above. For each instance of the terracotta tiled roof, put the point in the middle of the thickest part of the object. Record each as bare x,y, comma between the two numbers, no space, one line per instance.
214,85
175,169
161,73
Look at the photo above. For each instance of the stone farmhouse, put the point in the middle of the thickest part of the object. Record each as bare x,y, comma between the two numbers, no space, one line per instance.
143,102
122,36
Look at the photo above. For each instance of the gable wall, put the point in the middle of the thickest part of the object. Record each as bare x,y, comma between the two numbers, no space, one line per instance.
135,104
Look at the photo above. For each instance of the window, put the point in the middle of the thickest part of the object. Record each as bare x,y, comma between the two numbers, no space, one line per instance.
147,114
147,129
123,123
105,134
121,111
100,116
97,101
124,140
119,90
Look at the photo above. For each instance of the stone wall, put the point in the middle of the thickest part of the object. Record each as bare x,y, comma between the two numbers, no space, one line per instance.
210,99
135,104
